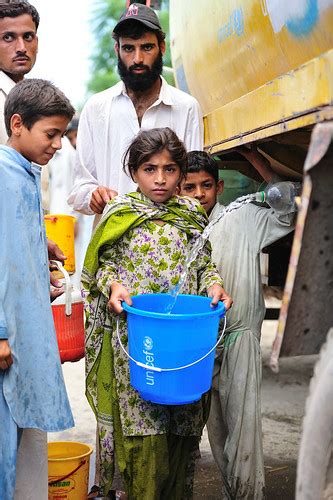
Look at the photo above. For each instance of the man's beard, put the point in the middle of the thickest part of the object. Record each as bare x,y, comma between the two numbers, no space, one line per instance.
143,81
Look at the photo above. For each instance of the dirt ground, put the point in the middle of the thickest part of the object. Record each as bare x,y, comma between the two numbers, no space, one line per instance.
283,400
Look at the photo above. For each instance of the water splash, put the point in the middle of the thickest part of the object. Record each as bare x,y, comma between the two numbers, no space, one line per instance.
200,242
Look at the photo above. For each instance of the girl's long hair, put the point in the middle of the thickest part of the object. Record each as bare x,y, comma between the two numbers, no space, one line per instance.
150,142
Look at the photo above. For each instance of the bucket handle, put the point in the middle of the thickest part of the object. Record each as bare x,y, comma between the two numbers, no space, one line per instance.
155,368
59,479
68,287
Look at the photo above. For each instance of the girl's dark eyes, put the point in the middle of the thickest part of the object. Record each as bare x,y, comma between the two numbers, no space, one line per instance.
152,169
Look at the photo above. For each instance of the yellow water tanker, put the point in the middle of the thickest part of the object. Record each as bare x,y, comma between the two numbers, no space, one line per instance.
257,67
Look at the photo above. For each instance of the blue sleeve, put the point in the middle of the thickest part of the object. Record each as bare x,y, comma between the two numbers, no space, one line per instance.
3,333
3,252
3,280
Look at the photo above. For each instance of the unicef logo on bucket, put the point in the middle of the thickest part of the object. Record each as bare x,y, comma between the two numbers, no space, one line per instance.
149,359
148,343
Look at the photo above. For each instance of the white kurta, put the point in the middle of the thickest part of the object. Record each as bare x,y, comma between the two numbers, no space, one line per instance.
234,425
108,124
237,241
6,84
61,169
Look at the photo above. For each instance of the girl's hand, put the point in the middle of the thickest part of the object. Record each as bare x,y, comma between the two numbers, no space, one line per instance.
6,359
218,293
118,294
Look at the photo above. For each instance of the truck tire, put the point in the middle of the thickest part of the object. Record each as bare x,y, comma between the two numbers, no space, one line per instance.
315,461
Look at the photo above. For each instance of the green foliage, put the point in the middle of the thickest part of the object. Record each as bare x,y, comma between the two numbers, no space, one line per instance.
104,60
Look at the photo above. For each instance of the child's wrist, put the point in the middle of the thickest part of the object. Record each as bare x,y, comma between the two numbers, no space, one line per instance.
114,284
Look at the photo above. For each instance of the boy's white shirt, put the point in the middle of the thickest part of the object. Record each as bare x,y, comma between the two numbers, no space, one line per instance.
237,241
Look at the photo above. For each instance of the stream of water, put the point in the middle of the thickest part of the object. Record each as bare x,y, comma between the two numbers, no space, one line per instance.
200,242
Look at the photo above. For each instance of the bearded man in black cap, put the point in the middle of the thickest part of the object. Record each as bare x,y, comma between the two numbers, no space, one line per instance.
143,99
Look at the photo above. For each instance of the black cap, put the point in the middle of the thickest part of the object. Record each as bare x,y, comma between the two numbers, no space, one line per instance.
140,13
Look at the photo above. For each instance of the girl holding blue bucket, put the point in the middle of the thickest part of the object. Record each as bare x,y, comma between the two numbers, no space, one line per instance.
139,247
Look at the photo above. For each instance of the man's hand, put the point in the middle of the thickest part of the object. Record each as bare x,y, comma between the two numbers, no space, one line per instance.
118,294
54,252
6,359
100,197
218,293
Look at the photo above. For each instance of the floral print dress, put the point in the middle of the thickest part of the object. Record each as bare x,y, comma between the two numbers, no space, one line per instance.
143,246
150,259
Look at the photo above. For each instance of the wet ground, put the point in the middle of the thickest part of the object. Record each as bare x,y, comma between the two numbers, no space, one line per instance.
280,479
283,400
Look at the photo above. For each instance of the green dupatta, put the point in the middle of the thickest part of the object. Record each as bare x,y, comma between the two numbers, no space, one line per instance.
122,214
129,211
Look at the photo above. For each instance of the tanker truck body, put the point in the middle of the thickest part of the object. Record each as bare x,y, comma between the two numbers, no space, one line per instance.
257,67
262,71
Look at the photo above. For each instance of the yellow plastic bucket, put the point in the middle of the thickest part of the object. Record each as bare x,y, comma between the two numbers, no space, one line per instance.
60,229
68,463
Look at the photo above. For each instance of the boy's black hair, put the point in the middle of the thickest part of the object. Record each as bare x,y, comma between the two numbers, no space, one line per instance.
199,161
34,99
15,9
135,30
150,142
73,124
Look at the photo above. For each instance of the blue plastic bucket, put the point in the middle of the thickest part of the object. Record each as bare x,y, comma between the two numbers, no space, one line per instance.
161,346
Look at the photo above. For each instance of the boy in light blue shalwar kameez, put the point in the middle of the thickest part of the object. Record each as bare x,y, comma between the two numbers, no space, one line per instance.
32,389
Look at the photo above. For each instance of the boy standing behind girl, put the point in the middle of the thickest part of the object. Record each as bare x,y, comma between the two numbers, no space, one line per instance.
139,247
234,424
32,390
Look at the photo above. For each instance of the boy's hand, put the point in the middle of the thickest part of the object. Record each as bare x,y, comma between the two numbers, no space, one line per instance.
118,294
6,359
218,293
259,161
56,287
54,252
100,197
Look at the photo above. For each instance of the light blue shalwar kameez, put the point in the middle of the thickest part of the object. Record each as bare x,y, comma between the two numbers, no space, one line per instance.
32,390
